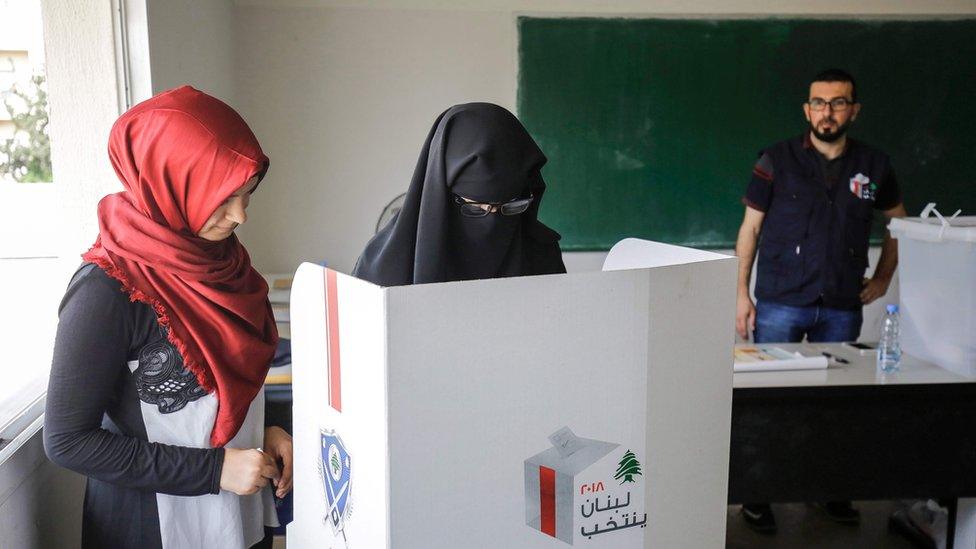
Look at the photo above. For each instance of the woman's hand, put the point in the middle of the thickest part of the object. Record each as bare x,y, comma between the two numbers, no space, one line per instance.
247,471
277,444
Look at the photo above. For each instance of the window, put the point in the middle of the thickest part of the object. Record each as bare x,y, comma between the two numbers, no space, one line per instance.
30,279
49,195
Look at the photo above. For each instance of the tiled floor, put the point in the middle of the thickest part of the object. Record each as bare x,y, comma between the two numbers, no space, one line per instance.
801,526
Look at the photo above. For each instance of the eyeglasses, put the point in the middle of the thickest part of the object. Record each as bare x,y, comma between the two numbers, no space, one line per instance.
836,104
481,209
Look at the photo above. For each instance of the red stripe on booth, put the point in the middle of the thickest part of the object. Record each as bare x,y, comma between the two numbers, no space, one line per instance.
332,331
547,500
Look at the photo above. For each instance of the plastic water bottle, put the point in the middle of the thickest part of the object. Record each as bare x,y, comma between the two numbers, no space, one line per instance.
889,349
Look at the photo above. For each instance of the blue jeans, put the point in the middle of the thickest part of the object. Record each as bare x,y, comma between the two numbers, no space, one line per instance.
776,323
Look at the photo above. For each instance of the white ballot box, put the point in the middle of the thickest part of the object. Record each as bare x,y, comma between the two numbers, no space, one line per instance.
936,273
588,409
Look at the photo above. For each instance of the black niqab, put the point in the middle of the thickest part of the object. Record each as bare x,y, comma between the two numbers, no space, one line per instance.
482,152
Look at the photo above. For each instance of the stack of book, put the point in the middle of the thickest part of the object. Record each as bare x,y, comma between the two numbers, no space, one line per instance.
279,294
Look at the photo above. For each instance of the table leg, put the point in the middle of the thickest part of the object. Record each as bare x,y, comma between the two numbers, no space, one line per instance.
964,534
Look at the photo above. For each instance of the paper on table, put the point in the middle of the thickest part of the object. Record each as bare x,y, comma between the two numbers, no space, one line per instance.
769,358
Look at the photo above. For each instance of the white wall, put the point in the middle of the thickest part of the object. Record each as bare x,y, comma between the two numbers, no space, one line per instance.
341,100
192,42
341,95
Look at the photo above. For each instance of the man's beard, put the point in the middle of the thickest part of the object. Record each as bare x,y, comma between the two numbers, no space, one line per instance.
832,136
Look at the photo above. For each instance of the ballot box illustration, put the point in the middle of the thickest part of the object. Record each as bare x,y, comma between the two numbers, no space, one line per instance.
552,498
588,409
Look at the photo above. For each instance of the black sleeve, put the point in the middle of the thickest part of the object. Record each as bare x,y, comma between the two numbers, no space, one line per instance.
889,194
759,193
90,351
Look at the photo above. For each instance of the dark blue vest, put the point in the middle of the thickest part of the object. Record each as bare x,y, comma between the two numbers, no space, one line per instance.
814,239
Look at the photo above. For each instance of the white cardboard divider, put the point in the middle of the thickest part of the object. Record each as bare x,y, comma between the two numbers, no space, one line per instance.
634,253
588,409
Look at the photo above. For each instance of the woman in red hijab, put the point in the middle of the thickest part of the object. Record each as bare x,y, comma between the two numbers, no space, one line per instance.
164,339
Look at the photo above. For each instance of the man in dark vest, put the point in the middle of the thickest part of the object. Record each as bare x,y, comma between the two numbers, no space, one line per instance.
809,208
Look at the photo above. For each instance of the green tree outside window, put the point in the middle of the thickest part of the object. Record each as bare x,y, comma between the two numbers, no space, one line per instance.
28,162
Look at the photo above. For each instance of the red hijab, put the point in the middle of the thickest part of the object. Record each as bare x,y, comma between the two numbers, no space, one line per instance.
180,155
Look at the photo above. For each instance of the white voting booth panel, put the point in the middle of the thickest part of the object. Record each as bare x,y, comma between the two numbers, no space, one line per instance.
589,409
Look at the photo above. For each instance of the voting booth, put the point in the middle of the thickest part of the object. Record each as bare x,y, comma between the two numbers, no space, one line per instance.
588,409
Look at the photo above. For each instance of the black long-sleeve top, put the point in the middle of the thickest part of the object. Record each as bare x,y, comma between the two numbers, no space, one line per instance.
124,411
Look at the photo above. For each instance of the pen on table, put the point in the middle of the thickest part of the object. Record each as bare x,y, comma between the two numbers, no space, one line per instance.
834,357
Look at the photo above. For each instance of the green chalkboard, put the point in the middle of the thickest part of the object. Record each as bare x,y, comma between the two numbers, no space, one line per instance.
651,126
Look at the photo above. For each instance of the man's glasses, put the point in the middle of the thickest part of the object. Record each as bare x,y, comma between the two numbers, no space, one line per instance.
481,209
836,104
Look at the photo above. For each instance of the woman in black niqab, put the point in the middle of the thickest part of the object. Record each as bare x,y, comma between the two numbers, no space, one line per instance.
481,152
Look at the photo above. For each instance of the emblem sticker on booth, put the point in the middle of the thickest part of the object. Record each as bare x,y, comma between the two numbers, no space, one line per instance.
862,187
581,488
335,467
